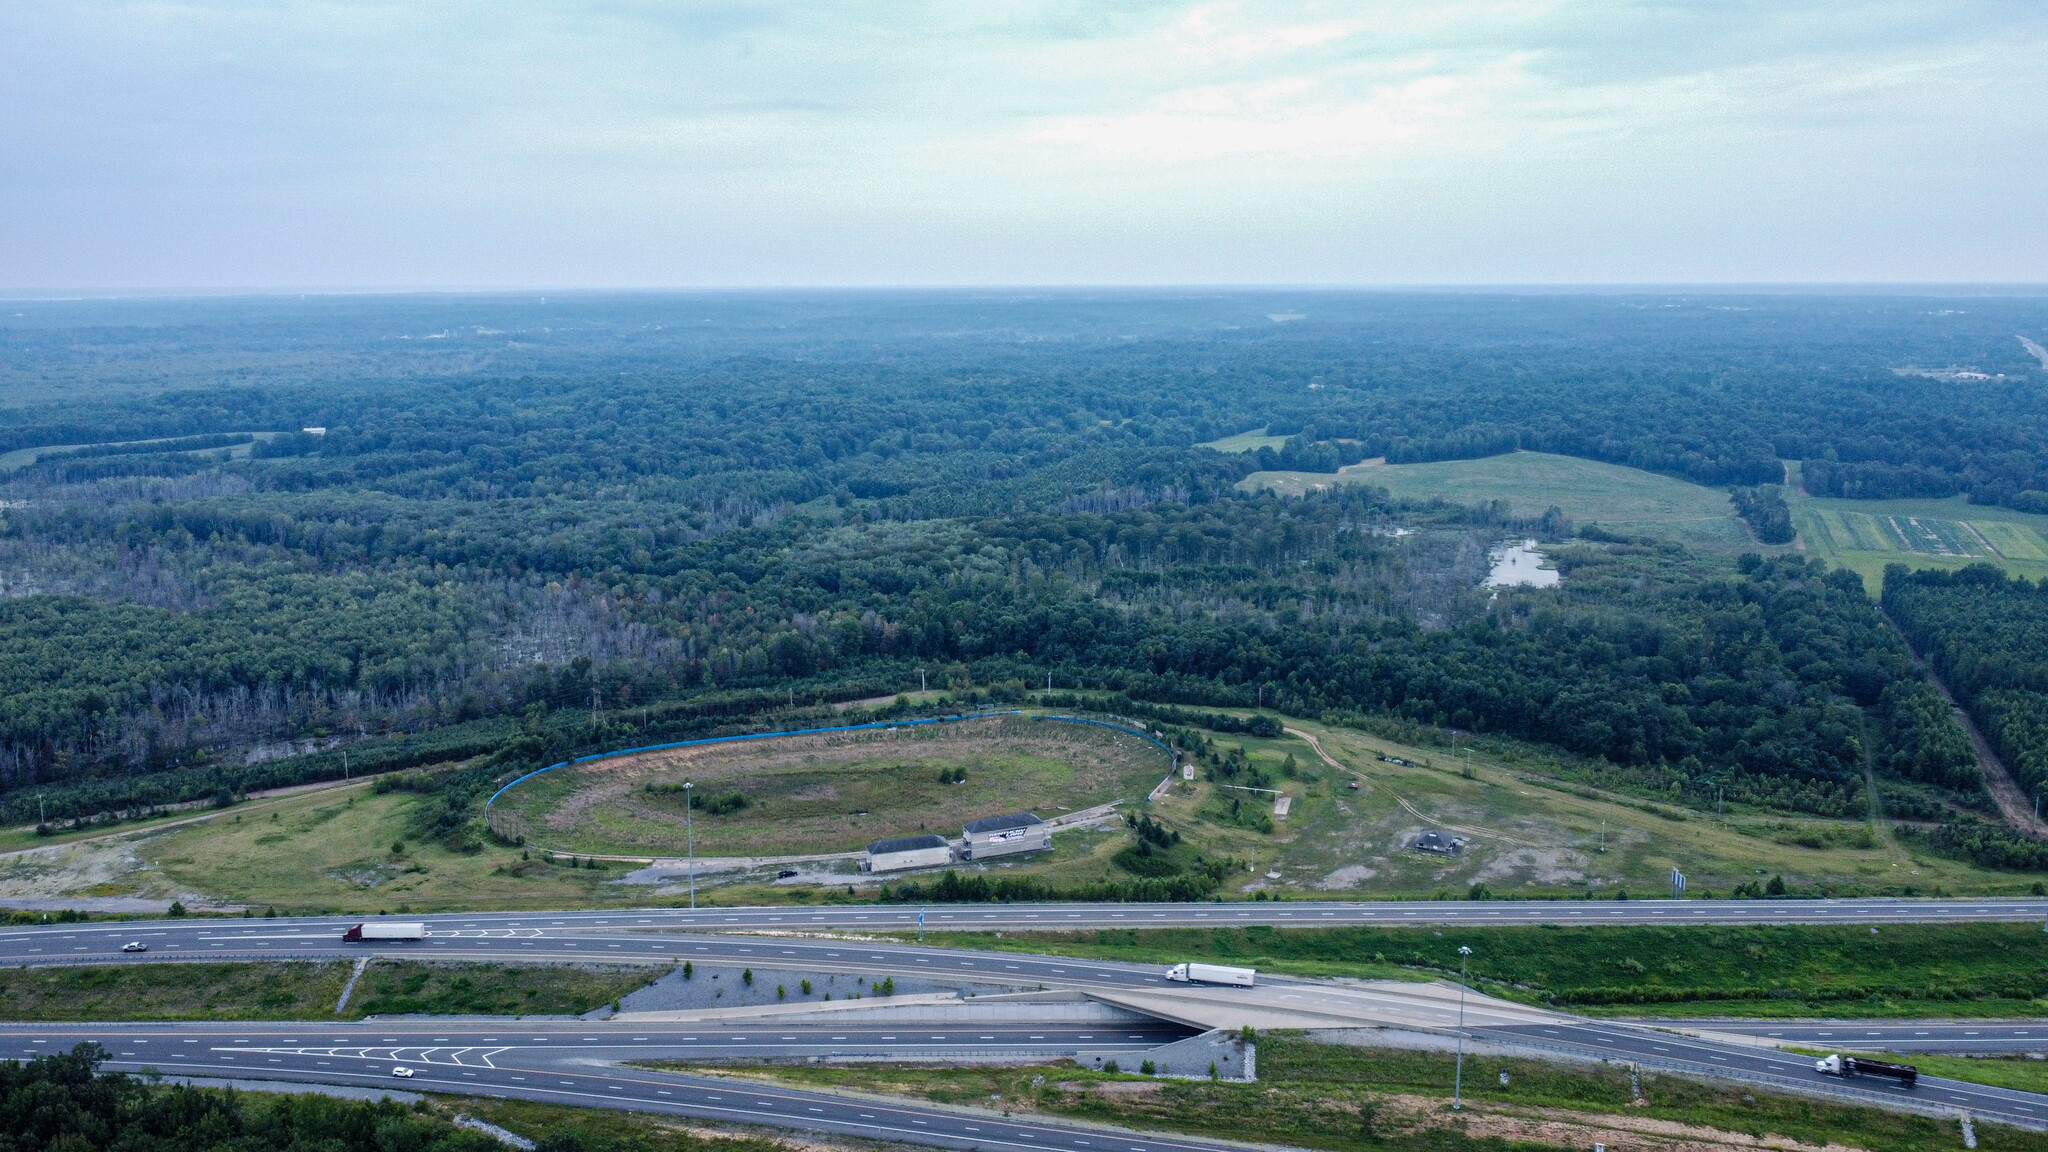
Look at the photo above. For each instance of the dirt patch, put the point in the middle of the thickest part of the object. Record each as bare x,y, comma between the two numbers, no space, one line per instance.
1561,1129
1349,876
98,868
1536,866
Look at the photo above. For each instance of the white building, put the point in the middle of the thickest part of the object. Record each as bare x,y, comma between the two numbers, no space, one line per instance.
1002,835
900,852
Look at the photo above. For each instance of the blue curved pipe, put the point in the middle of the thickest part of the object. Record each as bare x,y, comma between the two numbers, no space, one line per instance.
733,739
803,732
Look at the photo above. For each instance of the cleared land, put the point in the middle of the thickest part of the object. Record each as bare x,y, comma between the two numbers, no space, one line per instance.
1534,827
304,990
834,793
1250,441
335,853
1625,500
1866,535
23,457
1330,1096
1533,830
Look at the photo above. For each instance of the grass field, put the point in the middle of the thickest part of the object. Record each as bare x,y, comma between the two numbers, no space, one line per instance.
1623,499
1866,535
305,990
834,793
23,457
1326,1096
335,852
1250,441
1530,831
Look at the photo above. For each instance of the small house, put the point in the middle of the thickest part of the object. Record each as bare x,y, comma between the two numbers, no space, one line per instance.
1437,843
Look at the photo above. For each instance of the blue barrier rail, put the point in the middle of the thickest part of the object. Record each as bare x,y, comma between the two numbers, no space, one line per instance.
801,732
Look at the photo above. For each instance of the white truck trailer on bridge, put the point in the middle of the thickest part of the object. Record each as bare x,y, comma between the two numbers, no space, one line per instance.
385,930
1212,974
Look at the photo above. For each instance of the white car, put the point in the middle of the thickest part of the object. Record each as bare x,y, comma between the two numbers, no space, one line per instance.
402,1072
135,946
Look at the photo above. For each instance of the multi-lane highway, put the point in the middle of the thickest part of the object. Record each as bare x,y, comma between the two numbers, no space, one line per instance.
1962,1036
1770,1067
580,1061
502,933
582,1065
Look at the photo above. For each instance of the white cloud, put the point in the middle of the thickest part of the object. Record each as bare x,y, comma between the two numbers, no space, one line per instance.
639,143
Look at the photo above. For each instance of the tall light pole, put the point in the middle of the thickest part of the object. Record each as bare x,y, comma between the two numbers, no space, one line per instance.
1458,1085
690,839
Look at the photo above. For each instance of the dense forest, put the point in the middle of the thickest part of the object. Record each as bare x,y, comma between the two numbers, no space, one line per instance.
1987,638
510,523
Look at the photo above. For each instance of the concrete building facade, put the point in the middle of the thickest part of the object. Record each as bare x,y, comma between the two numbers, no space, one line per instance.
1003,835
900,852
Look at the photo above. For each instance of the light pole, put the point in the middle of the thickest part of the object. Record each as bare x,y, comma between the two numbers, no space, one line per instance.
690,839
1458,1084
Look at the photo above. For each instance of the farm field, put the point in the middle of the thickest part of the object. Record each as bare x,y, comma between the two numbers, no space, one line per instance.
1623,499
833,793
1866,535
23,457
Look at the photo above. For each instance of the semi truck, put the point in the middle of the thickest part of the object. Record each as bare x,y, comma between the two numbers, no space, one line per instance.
1212,974
1839,1065
384,930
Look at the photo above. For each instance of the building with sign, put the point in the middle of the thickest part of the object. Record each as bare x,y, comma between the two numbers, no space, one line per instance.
1002,835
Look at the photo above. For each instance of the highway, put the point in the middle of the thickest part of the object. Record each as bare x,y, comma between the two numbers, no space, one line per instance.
579,1062
1959,1036
316,937
576,1061
1769,1067
573,1066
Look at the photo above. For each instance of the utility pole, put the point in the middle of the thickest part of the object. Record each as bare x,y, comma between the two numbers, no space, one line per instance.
1048,688
1603,834
920,682
1458,1084
690,839
593,697
344,766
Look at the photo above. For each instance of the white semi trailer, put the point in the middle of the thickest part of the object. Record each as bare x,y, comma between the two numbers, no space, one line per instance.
1212,974
385,930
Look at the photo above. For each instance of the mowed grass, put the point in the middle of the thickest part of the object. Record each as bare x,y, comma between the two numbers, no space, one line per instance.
1250,441
306,991
23,457
1626,500
253,991
1866,535
816,795
333,853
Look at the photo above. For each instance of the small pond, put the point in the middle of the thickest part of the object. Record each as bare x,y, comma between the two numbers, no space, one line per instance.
1520,565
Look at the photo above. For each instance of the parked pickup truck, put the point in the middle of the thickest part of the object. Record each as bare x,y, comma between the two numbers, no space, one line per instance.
360,933
1212,974
1838,1065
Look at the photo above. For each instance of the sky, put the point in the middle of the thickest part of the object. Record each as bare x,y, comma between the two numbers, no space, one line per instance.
272,144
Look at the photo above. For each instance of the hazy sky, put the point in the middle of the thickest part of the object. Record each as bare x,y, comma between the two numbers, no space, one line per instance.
213,143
